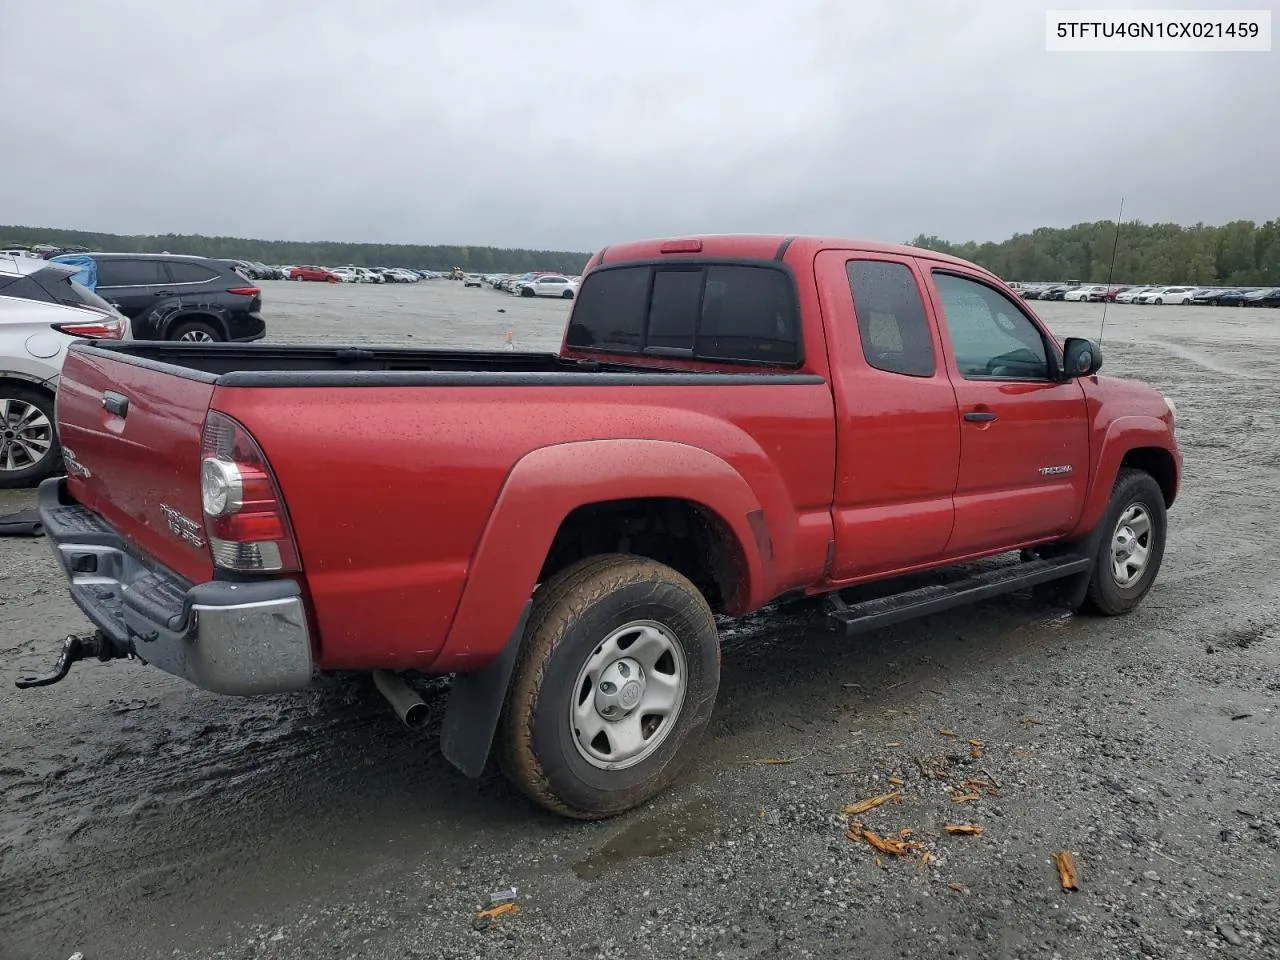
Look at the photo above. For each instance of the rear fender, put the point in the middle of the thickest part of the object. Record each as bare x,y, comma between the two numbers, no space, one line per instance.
545,486
168,316
1123,435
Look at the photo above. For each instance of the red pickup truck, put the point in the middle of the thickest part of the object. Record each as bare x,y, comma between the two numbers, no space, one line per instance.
730,422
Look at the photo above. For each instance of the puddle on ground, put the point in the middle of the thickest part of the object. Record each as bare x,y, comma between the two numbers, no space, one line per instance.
658,835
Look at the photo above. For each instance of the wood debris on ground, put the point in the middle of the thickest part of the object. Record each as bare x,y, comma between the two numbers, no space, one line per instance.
1066,865
862,806
968,829
776,761
897,848
975,749
959,795
1033,720
897,781
958,887
893,744
947,733
485,918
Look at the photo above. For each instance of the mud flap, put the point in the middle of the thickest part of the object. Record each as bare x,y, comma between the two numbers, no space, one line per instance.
1070,592
475,704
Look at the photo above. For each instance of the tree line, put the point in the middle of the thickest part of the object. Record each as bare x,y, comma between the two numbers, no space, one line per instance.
1240,253
321,253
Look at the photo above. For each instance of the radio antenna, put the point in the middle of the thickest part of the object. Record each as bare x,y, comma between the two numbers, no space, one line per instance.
1106,297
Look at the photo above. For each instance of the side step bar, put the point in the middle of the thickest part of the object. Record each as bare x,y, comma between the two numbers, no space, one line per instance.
867,615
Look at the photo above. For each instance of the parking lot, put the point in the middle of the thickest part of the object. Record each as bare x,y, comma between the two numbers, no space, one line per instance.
143,818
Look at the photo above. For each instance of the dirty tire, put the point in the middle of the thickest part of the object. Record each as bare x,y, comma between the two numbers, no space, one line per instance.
572,614
25,474
1106,596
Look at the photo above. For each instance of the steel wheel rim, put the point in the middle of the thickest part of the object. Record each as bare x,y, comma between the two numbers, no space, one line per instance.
628,696
26,435
1131,545
196,336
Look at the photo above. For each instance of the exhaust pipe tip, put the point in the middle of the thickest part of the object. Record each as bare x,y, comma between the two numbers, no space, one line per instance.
409,707
415,715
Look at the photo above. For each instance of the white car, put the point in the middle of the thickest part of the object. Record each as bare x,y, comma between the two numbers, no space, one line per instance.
1132,294
1085,293
550,285
42,311
1159,295
365,275
345,274
473,280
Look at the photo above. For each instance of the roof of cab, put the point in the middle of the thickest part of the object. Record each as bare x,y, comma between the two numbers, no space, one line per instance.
756,246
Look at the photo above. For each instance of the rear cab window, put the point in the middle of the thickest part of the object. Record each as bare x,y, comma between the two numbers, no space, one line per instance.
731,311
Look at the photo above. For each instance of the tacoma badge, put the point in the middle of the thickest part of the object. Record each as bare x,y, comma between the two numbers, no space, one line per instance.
182,527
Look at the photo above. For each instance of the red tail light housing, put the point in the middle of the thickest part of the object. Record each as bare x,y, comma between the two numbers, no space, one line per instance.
107,328
244,514
245,291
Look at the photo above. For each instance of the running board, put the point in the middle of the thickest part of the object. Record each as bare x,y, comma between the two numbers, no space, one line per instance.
851,618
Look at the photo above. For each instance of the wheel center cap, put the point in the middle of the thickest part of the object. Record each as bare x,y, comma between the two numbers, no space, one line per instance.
629,695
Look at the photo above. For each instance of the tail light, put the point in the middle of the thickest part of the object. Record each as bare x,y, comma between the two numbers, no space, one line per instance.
244,515
108,328
245,291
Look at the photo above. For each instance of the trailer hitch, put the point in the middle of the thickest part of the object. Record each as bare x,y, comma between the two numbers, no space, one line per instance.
89,646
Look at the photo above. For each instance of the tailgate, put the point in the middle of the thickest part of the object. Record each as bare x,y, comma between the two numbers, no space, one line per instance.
139,471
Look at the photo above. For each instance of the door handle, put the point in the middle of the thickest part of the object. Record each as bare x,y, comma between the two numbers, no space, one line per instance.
115,403
162,293
979,416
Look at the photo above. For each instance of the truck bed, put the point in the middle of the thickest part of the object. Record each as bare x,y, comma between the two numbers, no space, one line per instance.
316,365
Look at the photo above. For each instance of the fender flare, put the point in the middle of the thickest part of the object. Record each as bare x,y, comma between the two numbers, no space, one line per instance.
547,484
1123,435
164,323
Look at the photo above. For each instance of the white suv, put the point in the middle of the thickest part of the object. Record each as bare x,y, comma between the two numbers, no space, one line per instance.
42,310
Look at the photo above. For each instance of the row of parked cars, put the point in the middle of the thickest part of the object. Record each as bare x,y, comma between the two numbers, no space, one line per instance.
354,274
537,283
1156,295
46,304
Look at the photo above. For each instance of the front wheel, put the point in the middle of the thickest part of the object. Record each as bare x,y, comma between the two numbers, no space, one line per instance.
1132,547
615,683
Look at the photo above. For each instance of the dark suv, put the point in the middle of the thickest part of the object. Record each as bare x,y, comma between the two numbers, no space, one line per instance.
171,297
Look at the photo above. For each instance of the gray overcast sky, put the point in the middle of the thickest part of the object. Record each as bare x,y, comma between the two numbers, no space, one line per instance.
568,125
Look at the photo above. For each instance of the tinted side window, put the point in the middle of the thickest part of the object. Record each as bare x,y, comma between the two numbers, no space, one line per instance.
26,288
609,311
892,324
749,313
673,310
182,271
990,336
129,273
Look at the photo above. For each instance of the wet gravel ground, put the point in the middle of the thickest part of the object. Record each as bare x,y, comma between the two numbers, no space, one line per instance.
140,818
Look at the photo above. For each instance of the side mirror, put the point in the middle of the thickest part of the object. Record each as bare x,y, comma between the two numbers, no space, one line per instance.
1080,358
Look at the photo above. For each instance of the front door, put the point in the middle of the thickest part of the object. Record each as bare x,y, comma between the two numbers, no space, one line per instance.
1024,434
897,429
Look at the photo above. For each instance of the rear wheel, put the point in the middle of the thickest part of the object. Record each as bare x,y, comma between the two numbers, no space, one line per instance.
615,683
29,449
567,295
1132,546
195,331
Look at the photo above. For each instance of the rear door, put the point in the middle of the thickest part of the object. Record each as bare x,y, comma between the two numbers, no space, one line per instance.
131,436
136,286
897,428
1024,435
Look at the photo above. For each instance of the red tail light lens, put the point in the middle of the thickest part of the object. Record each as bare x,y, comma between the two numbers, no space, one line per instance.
107,328
244,514
245,291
